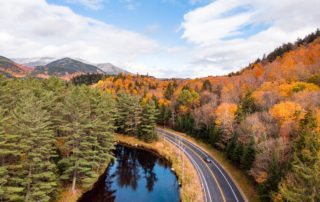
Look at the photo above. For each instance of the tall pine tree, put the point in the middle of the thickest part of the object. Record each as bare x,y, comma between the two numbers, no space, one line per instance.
148,123
36,168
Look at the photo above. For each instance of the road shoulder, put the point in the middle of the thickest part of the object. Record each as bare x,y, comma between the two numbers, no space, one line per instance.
237,175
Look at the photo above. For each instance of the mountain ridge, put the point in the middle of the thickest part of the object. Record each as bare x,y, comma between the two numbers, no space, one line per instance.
45,67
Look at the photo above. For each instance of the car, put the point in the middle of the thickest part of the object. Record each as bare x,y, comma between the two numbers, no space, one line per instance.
207,159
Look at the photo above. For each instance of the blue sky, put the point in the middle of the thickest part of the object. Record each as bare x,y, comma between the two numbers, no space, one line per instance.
159,19
163,38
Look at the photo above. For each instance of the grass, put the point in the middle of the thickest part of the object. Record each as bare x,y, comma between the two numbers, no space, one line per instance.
66,194
238,175
190,190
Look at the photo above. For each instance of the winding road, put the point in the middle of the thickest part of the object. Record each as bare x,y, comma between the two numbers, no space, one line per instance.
216,182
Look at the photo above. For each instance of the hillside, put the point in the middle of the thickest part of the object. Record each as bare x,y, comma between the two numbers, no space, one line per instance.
65,68
11,69
111,69
256,116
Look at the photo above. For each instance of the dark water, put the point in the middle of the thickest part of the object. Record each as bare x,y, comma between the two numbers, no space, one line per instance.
138,176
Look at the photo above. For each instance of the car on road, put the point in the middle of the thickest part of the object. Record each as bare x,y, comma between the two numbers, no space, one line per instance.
207,159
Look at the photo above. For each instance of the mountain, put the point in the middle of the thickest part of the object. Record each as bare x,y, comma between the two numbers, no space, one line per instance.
65,68
11,69
111,69
33,62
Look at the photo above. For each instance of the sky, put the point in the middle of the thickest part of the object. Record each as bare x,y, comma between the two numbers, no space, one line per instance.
162,38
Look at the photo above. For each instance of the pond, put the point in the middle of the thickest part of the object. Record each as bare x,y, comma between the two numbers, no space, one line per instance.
136,175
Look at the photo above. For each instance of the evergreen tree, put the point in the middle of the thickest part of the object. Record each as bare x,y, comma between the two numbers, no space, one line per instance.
103,115
79,157
247,106
148,123
36,170
168,93
303,182
237,153
129,114
164,115
4,151
248,155
232,146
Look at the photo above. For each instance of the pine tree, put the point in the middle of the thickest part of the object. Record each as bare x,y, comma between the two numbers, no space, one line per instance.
78,142
303,182
148,123
248,155
4,176
129,114
103,116
36,170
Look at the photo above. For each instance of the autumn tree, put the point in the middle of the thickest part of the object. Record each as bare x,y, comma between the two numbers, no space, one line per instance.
225,116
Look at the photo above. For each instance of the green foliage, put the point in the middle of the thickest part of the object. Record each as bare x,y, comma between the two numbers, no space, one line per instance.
302,183
184,123
248,155
135,119
129,114
148,123
246,106
51,131
87,79
315,79
164,115
187,97
169,90
270,186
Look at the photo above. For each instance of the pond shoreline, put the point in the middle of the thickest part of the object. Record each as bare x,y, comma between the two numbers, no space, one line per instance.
190,187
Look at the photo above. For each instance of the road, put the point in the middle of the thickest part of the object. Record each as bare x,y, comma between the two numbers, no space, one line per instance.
216,182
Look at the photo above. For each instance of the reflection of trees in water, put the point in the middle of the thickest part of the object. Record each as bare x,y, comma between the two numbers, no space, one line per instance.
127,170
147,163
164,163
101,191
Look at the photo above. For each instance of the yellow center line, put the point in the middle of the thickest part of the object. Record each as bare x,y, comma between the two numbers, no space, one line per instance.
212,174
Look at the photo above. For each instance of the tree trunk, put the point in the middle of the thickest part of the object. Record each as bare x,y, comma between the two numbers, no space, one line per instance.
74,182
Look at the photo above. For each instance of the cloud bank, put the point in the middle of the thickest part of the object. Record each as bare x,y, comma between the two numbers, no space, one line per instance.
220,37
228,34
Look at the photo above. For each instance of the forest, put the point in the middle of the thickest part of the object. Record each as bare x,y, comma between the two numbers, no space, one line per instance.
264,118
54,135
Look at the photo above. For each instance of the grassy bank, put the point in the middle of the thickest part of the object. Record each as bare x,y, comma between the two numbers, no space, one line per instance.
66,194
239,177
190,183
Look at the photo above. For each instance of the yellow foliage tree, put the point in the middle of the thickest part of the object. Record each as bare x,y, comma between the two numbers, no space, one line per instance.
225,116
287,111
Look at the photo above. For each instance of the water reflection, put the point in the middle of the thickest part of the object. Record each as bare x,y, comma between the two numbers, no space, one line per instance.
136,175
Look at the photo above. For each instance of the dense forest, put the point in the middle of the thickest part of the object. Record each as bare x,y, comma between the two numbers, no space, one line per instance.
54,134
265,118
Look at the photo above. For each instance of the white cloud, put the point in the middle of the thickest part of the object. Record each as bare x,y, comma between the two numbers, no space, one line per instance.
36,28
91,4
215,30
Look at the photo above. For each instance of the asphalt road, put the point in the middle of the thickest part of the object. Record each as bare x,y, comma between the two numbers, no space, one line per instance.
216,183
